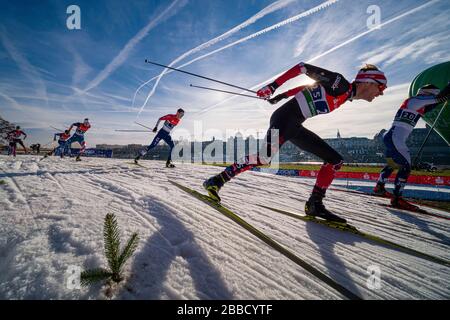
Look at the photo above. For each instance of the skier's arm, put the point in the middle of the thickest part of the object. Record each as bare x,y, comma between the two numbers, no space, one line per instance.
166,117
320,74
157,124
284,95
428,103
268,90
291,73
444,95
25,135
76,124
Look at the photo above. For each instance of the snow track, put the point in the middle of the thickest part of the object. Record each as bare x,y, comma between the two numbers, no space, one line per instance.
51,217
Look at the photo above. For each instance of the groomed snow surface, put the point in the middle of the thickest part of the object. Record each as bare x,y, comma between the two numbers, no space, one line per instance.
51,218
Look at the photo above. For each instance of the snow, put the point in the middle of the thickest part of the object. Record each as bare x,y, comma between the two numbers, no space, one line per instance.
51,218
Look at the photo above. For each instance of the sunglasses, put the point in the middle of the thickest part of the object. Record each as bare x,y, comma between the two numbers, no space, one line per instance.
381,86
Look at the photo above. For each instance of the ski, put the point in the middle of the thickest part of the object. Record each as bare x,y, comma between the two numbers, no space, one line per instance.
382,196
269,241
418,210
138,164
345,227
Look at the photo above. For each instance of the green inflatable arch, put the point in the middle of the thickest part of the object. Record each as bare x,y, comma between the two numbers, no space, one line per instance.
439,75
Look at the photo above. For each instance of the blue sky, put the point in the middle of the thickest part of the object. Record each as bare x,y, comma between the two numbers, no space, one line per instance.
53,76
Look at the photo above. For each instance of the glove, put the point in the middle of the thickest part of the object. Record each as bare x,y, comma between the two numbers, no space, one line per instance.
444,95
155,129
267,91
277,98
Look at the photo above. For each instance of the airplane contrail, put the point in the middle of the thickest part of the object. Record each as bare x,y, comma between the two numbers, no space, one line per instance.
275,26
123,54
269,9
409,12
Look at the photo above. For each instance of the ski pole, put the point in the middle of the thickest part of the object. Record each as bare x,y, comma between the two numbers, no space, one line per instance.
196,75
56,129
428,135
230,92
144,126
133,130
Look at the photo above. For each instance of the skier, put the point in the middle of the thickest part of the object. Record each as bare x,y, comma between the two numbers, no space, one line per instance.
397,153
329,92
14,139
11,144
61,149
36,148
78,136
171,120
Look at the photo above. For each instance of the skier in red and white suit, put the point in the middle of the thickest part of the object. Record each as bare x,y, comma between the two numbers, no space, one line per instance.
170,121
397,153
327,94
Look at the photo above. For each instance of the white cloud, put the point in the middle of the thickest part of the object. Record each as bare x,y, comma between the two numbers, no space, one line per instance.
123,54
336,47
242,40
267,10
24,65
80,68
391,54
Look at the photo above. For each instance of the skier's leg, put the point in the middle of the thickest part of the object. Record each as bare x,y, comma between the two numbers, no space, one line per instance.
284,124
56,151
400,183
310,142
65,148
390,166
215,183
382,179
401,156
268,149
82,143
23,146
12,146
168,139
385,174
154,143
403,159
401,179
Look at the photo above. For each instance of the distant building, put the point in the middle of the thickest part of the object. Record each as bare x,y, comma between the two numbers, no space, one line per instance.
354,149
436,150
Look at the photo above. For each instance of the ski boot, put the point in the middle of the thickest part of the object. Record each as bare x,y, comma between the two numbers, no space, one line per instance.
381,191
137,159
400,203
78,158
213,185
169,164
315,208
